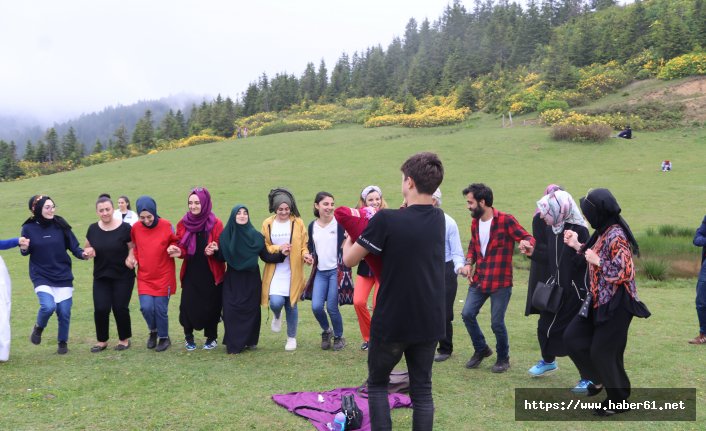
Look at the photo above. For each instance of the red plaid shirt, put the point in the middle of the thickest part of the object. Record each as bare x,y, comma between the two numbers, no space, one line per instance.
494,270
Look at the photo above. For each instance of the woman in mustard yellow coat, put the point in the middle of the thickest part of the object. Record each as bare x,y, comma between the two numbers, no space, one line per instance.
283,283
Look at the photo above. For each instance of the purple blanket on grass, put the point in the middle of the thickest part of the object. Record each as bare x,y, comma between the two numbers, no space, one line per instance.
320,407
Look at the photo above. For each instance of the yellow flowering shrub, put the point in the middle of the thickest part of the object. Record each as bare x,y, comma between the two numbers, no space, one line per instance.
256,121
329,112
578,119
430,117
552,116
684,65
597,80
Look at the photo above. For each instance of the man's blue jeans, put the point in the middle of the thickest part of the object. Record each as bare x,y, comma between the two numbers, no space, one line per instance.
701,299
498,305
155,311
292,313
47,307
326,290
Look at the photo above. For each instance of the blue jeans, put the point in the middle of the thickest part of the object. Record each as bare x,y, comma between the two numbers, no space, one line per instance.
498,305
47,307
326,290
154,309
276,304
701,299
382,358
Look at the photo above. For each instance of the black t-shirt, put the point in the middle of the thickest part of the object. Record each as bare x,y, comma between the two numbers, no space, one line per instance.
111,251
410,301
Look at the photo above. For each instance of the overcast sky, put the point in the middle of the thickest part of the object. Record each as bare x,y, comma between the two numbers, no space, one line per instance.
61,58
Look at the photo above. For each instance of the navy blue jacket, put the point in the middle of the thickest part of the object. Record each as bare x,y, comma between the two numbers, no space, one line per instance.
49,264
700,239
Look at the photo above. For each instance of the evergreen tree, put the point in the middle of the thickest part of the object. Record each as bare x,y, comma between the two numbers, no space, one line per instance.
71,149
53,151
30,154
119,147
308,84
9,168
98,147
263,96
143,135
250,100
699,24
181,124
321,80
340,78
40,154
376,77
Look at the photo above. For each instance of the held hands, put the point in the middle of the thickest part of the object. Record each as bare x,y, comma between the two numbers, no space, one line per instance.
526,248
23,243
211,248
89,253
571,239
173,251
285,249
308,259
466,272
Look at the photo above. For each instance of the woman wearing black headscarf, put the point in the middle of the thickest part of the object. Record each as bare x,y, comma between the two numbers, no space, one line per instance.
50,236
596,342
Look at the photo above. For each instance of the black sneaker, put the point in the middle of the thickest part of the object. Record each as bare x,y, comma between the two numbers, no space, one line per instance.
326,339
365,346
36,336
163,344
478,357
501,365
339,343
441,357
152,340
63,348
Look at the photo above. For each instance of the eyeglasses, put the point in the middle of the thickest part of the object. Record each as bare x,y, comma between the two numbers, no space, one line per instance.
283,210
49,207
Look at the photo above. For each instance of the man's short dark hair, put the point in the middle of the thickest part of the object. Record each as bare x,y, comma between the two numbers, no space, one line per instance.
480,192
426,170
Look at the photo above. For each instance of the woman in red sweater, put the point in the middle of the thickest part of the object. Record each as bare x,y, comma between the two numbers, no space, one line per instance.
201,273
156,280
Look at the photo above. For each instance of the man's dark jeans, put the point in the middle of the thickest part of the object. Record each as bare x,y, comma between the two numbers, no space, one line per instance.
382,358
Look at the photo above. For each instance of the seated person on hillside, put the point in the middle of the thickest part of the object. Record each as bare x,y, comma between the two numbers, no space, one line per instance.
666,166
627,133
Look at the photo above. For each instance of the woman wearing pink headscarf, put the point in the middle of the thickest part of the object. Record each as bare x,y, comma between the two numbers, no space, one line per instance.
201,273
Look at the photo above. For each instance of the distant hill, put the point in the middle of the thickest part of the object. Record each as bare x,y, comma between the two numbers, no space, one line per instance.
96,125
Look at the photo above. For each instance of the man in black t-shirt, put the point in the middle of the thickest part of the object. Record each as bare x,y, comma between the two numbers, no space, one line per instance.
409,311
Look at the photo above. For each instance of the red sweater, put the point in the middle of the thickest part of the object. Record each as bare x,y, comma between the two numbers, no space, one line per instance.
217,267
156,272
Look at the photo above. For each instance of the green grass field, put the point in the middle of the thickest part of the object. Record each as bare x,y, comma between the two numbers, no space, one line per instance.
140,389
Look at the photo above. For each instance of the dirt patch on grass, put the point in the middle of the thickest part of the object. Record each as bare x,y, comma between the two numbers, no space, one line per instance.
691,93
684,268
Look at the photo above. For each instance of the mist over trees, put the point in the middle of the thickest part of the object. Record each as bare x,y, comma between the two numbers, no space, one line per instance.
551,38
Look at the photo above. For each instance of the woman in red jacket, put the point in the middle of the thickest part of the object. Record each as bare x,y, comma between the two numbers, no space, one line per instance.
156,279
201,273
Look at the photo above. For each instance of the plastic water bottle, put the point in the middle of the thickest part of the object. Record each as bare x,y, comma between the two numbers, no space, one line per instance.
339,422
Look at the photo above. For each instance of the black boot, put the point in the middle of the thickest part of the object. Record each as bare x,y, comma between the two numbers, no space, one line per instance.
36,336
152,340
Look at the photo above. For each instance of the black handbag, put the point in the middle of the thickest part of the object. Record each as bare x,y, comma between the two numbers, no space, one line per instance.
586,306
354,416
547,295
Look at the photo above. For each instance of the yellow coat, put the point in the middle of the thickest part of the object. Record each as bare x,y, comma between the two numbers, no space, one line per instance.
299,241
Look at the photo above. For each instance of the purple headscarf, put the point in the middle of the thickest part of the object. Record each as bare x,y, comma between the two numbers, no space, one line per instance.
550,188
203,222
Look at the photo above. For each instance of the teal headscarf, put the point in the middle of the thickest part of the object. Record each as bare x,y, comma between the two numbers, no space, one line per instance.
241,243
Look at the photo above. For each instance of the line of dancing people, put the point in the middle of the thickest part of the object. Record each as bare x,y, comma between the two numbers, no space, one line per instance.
220,275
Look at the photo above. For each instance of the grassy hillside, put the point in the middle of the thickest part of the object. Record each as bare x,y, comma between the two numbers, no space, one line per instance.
207,390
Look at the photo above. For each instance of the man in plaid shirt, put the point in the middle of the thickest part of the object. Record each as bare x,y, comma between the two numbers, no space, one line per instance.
493,237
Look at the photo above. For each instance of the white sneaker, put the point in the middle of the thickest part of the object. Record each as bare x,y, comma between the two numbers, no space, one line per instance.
291,344
276,324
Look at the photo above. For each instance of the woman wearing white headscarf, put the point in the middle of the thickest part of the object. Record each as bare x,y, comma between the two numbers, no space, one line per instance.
560,212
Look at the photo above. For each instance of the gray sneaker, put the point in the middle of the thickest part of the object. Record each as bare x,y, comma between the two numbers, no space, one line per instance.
339,343
326,339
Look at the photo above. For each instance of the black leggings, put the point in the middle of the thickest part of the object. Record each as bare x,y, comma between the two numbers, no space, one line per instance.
597,351
112,294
